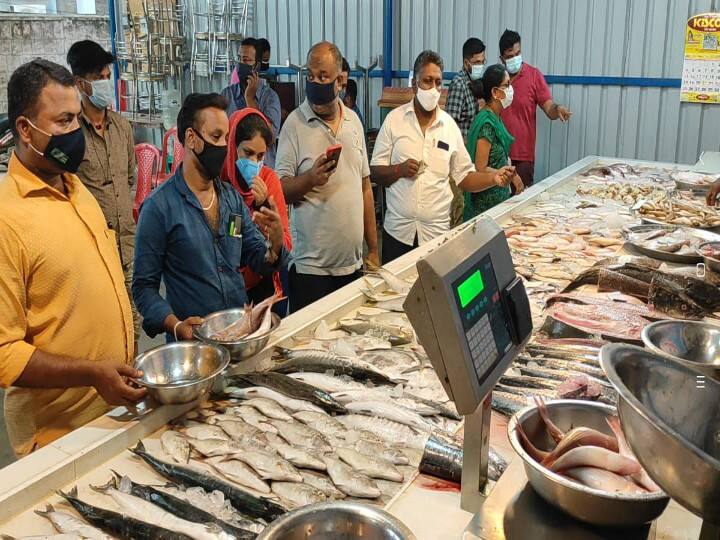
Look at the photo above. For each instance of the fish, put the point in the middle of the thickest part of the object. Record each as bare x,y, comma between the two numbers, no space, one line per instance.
268,407
323,483
389,410
326,382
239,472
175,445
238,329
507,404
392,304
290,387
298,494
642,478
394,283
603,480
566,365
327,425
297,456
443,410
388,430
323,362
263,392
525,392
379,394
214,447
371,447
395,334
525,381
371,466
553,430
265,319
592,320
244,502
269,466
117,524
580,436
143,510
349,481
179,507
238,430
205,432
68,524
594,456
249,415
301,435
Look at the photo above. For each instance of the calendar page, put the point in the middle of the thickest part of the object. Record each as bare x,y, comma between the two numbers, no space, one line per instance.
701,68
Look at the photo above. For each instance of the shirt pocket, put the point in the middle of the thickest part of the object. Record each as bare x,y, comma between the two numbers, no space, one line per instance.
439,161
233,252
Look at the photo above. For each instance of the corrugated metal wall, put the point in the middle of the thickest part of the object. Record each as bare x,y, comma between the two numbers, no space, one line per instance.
618,38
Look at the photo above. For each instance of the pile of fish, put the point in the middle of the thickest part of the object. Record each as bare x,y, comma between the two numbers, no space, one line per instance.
711,250
591,458
676,211
255,322
694,179
678,240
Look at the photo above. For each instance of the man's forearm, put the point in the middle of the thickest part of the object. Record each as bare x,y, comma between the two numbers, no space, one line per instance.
370,226
385,175
45,370
477,181
295,187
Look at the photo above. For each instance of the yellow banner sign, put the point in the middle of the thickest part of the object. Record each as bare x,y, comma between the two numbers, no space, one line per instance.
701,68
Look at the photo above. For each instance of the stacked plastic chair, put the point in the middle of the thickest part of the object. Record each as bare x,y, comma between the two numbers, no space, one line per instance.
147,157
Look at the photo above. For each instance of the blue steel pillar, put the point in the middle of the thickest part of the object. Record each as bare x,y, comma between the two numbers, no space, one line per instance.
387,42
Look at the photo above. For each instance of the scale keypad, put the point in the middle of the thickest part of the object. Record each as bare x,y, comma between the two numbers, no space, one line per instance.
482,344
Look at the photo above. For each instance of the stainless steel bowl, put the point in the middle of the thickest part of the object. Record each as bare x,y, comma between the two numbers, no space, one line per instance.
712,263
586,504
694,343
240,349
337,521
181,372
672,422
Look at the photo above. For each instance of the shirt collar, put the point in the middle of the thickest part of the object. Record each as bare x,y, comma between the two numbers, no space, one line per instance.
28,182
309,114
184,190
88,122
410,109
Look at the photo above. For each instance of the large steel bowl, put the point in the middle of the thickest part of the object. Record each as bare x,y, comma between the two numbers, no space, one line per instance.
586,504
694,343
181,372
241,349
337,521
711,263
670,414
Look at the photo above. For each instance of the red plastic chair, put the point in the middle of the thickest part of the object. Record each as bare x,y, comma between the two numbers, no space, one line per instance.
148,161
178,153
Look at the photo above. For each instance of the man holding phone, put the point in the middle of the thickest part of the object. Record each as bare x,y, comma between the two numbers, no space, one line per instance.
322,162
249,90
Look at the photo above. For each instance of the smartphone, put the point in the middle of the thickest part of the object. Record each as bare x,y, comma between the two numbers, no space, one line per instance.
333,153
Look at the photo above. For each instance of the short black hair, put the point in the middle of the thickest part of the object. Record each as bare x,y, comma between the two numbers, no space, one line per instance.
425,58
192,105
87,57
262,45
251,42
345,65
250,126
508,40
472,47
352,89
26,84
492,77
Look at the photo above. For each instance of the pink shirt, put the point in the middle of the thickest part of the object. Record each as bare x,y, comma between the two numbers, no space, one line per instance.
530,92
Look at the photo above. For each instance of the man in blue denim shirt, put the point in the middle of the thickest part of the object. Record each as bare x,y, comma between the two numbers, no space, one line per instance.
195,232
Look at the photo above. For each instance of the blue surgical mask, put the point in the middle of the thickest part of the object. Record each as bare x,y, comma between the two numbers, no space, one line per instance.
102,93
476,71
342,93
249,169
513,64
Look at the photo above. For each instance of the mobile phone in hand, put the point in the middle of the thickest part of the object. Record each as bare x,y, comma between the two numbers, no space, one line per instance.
333,153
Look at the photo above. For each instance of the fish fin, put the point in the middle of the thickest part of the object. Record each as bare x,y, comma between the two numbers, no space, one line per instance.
139,449
44,513
111,484
555,432
72,494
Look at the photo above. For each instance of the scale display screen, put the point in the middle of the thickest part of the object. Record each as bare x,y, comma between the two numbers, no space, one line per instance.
483,316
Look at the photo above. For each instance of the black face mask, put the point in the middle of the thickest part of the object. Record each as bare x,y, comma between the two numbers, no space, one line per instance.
212,157
66,150
244,71
264,66
320,94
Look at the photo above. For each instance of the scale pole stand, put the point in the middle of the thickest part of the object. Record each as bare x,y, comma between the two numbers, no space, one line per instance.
476,448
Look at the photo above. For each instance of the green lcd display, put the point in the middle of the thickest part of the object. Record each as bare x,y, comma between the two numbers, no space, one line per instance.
470,288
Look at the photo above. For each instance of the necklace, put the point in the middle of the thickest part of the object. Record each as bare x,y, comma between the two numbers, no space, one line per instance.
212,202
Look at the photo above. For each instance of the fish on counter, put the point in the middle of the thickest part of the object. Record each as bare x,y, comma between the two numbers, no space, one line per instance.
349,481
295,494
68,524
323,362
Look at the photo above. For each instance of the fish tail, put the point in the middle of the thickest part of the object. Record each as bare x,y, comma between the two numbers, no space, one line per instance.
72,494
112,484
48,510
537,454
139,449
117,475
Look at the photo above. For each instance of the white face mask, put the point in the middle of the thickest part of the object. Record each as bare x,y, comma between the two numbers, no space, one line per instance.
507,100
428,99
514,64
476,71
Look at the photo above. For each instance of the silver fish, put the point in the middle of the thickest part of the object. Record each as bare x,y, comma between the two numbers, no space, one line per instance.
263,392
266,320
269,466
371,447
214,447
603,480
301,435
374,467
255,418
268,407
297,456
349,481
238,430
393,412
326,382
205,432
394,283
395,334
69,524
324,423
175,445
323,483
389,431
238,472
297,494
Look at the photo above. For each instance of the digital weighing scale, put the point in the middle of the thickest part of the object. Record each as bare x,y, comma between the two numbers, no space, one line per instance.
472,315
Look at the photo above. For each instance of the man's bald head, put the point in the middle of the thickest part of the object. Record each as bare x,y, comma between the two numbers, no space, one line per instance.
325,50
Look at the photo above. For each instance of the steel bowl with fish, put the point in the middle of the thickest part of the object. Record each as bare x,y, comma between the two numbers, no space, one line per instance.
692,343
214,330
670,416
710,253
181,372
616,506
340,520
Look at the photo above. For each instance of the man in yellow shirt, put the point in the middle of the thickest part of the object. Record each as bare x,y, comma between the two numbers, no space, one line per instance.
66,331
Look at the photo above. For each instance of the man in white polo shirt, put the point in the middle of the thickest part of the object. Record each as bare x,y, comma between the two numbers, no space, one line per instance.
418,152
332,201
